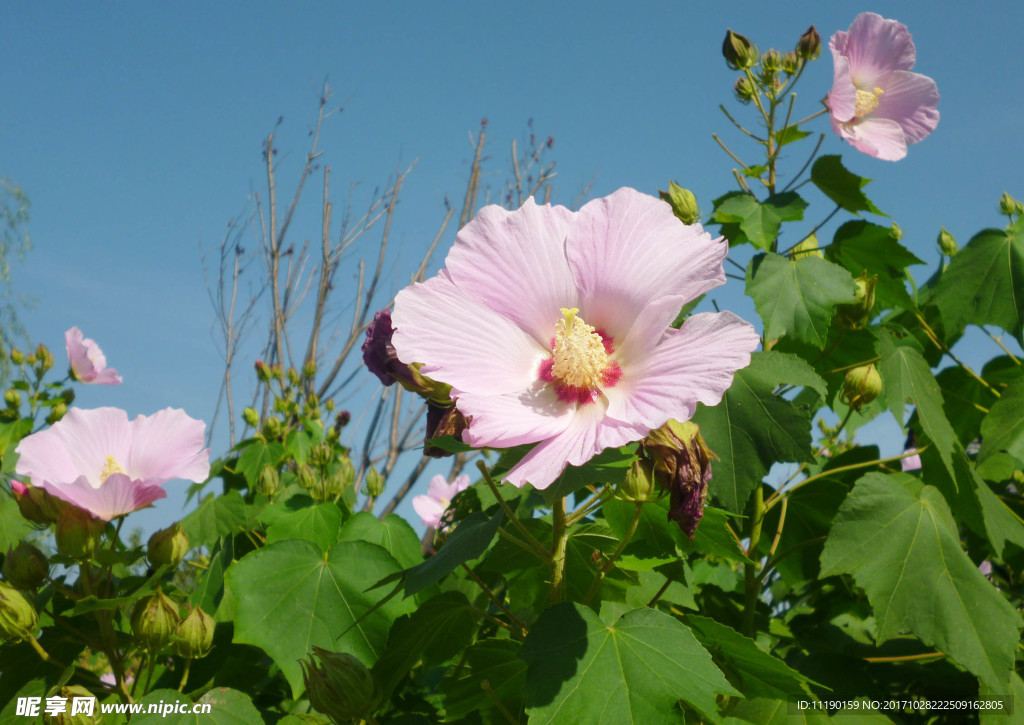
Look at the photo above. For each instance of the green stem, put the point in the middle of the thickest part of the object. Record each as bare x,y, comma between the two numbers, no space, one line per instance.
530,538
542,554
610,562
558,544
752,583
149,673
184,675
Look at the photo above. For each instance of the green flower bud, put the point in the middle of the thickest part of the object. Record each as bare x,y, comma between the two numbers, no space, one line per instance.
262,371
309,370
339,685
947,243
58,411
194,634
154,620
17,356
861,385
272,428
771,62
639,483
69,693
682,464
308,477
682,201
1008,205
277,371
18,618
293,377
78,533
806,248
13,399
374,483
809,45
25,566
268,482
858,313
44,357
168,546
739,52
897,233
744,90
36,504
790,63
321,455
251,417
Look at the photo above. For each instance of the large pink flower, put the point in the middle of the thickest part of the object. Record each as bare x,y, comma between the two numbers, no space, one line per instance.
88,363
876,103
431,507
552,327
100,462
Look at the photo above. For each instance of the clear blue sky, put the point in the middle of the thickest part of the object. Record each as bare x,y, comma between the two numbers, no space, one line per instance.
136,130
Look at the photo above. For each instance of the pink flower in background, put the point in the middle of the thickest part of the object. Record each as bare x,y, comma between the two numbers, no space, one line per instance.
100,462
910,463
553,327
876,103
440,494
88,364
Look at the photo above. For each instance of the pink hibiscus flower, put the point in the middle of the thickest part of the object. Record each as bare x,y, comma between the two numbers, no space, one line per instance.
552,327
100,462
88,364
432,506
876,103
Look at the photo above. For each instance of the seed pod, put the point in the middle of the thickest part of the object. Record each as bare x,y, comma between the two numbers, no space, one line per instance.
193,636
168,546
154,620
25,566
18,618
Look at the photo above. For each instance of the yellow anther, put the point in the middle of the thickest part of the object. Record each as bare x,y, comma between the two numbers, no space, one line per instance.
580,358
111,467
866,101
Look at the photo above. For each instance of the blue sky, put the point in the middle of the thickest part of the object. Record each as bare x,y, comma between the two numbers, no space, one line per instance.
136,131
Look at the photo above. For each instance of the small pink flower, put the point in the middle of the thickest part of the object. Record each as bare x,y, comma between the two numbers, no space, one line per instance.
553,327
88,364
100,462
440,494
876,103
910,463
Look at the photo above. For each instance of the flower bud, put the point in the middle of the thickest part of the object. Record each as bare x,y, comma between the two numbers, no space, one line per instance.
339,685
154,620
168,546
682,464
68,694
18,618
251,417
308,478
44,357
193,636
809,45
771,62
309,370
78,533
1008,205
25,566
12,398
682,201
262,371
374,483
277,371
790,63
268,482
58,411
272,428
947,243
293,377
342,419
858,313
17,356
744,90
897,232
36,504
345,473
638,485
739,52
321,455
861,385
443,420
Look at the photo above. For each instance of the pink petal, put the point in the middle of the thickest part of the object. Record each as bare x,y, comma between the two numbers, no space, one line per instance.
87,360
875,46
693,364
879,137
513,263
168,444
628,250
438,488
910,99
588,434
117,496
429,510
842,99
511,419
910,463
76,445
461,342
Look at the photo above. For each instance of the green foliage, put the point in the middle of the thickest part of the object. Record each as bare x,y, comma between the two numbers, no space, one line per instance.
840,185
745,219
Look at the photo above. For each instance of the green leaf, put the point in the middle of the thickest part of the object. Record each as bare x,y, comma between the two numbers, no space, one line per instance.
1003,427
393,533
218,516
13,527
859,246
1010,698
759,221
755,672
984,281
609,466
257,455
761,711
92,603
290,596
495,662
790,134
319,523
961,396
917,577
437,631
752,427
584,671
797,298
841,186
227,707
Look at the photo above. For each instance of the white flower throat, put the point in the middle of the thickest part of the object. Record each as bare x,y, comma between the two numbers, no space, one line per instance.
580,358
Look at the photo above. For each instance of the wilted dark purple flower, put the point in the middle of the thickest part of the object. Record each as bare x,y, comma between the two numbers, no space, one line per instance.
682,464
379,354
